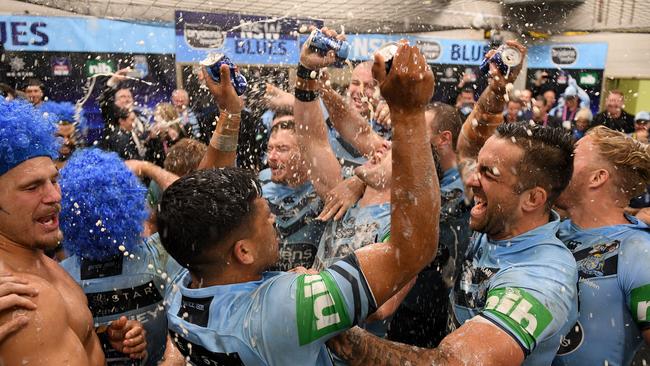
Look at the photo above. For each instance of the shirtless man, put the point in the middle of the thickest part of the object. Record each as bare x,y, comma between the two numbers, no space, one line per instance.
59,328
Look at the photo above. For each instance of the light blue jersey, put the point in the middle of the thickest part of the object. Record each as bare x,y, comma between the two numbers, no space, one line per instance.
131,286
295,210
614,268
283,319
359,227
525,285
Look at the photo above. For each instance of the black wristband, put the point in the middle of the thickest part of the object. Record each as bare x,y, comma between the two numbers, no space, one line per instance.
305,73
306,95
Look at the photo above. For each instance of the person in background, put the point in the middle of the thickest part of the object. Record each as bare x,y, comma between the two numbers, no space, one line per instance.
583,120
572,100
614,116
513,113
63,115
641,121
541,116
124,140
35,92
102,215
115,97
181,101
551,98
164,133
465,102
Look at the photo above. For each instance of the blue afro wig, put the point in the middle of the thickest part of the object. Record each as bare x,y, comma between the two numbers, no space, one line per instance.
103,205
58,111
24,134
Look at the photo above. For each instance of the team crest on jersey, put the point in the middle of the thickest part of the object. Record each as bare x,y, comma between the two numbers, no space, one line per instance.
320,308
598,260
472,285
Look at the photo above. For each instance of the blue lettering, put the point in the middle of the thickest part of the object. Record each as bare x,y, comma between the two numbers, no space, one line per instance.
15,33
455,52
465,58
3,32
44,38
239,46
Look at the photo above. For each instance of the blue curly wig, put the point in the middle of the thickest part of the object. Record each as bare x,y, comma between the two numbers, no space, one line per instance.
58,111
24,134
103,205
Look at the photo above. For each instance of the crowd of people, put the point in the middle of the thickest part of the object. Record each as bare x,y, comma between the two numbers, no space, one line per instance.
371,227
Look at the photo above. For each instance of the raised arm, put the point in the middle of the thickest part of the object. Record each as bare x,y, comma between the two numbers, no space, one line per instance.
222,150
159,175
350,124
415,193
487,113
323,168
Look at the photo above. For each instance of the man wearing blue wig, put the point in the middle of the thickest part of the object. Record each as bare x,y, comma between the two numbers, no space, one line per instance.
122,274
55,323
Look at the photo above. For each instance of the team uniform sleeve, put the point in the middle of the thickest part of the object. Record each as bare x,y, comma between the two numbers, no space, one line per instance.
634,278
529,305
302,312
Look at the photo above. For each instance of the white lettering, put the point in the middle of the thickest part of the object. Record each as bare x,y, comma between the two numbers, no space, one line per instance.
642,311
320,304
521,313
507,302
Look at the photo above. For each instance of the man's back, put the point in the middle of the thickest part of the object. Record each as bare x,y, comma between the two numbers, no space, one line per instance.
283,319
60,331
614,285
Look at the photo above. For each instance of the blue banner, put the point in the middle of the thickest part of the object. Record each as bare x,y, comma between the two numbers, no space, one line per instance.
78,34
568,56
246,39
439,51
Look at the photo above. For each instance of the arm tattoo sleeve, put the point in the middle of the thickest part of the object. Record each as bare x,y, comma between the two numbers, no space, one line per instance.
359,347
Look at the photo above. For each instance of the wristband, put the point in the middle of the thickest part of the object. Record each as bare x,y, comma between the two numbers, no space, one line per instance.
305,73
306,95
224,142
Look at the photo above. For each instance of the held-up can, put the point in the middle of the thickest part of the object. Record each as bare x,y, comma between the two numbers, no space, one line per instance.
321,43
388,52
504,58
214,61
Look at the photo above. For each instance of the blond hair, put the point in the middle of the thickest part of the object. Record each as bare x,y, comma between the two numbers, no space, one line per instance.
629,157
585,113
167,112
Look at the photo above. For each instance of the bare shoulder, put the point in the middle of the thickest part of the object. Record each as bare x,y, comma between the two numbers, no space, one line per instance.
57,328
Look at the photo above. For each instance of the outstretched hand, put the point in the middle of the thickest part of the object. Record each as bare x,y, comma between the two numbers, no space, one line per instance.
128,337
409,85
223,92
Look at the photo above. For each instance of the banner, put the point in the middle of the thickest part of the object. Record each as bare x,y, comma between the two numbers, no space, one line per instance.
439,51
246,39
79,34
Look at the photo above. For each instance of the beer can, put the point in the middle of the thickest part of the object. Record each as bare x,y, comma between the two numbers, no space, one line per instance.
388,52
213,63
321,43
505,58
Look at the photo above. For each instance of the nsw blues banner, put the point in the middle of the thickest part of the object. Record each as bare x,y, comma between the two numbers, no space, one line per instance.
246,39
80,34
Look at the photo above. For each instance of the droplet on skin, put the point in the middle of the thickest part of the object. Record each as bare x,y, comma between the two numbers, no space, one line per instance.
312,75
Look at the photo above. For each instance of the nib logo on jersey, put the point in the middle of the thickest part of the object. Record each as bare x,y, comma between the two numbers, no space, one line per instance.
204,36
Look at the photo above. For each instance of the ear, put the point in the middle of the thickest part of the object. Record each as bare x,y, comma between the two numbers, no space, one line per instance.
243,252
534,199
598,178
445,138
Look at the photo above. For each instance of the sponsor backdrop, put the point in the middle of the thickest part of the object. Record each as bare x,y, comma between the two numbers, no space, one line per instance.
64,52
584,62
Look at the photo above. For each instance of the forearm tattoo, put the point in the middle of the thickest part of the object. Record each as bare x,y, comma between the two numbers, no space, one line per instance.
359,347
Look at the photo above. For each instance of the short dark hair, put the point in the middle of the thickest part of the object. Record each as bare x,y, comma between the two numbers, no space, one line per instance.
284,125
202,209
547,160
34,82
446,118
